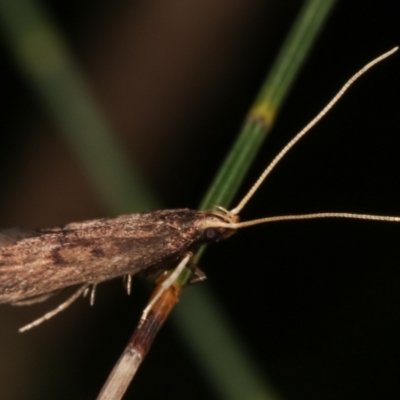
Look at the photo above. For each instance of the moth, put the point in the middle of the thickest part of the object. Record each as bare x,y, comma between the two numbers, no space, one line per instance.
36,264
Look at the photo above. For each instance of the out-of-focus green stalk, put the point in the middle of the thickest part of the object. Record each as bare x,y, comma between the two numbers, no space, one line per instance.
45,59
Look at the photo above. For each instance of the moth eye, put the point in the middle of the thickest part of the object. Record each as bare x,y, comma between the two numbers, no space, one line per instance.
211,234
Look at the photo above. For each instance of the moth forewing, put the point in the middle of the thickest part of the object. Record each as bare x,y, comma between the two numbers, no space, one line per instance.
95,251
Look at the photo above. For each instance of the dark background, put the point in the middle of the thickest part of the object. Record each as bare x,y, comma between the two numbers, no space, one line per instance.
317,303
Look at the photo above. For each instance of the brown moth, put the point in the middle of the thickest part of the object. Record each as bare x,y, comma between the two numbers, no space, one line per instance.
35,264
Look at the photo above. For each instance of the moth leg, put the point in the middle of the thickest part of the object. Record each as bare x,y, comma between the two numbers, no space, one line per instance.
92,291
128,283
92,294
167,284
57,310
198,275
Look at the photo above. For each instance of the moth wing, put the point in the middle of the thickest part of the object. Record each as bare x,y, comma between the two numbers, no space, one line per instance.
34,265
13,235
36,299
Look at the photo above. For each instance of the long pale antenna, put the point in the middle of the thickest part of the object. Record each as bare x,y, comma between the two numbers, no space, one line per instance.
283,152
367,217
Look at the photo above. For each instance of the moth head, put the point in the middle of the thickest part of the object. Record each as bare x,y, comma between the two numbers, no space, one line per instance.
218,225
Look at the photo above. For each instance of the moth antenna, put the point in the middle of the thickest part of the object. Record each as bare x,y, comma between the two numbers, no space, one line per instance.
306,129
57,310
367,217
